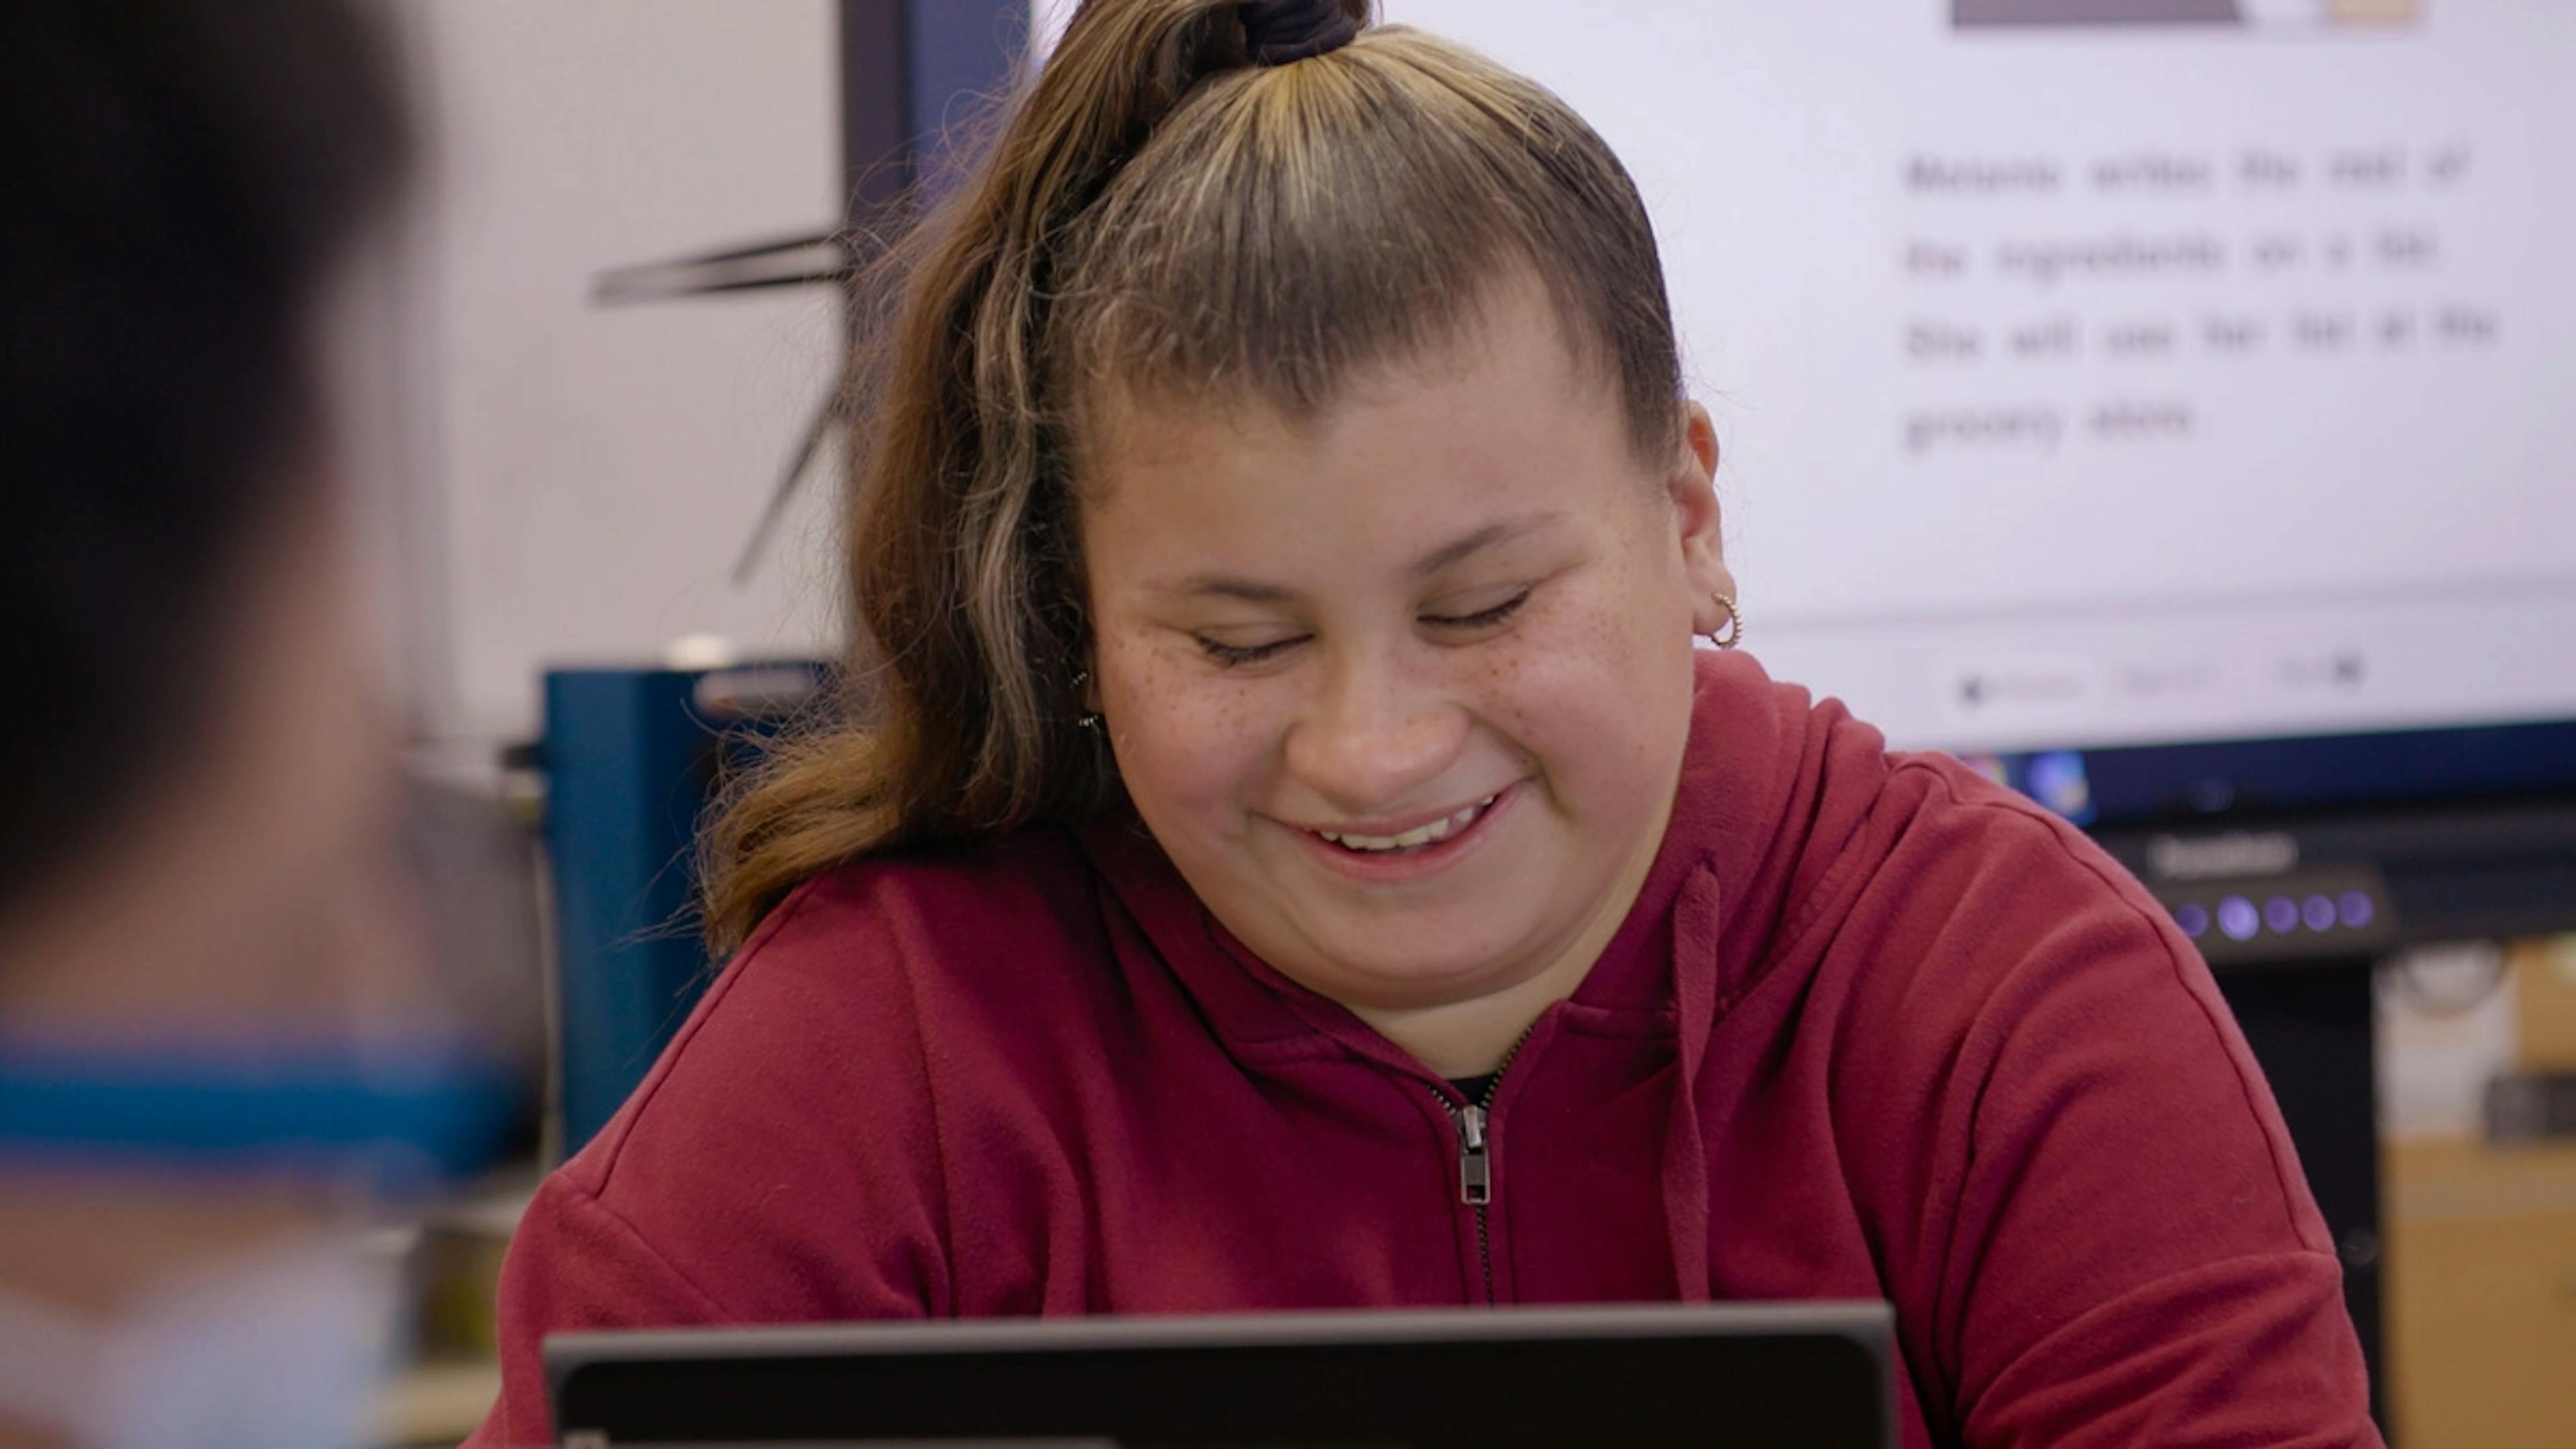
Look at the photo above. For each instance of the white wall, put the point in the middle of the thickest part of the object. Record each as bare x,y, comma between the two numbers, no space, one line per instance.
581,478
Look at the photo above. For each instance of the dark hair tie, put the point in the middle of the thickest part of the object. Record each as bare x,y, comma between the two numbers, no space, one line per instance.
1277,32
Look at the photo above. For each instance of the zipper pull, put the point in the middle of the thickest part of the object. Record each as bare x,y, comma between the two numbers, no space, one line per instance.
1475,1176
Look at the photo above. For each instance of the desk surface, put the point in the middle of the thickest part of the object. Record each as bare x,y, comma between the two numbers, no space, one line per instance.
437,1403
2481,1288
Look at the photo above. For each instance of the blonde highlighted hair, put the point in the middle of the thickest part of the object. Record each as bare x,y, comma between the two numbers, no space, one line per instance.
1161,216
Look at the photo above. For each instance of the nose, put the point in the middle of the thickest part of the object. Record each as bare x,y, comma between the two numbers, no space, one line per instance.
1377,733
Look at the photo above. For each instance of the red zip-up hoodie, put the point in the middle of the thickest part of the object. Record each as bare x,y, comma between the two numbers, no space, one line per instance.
1875,1028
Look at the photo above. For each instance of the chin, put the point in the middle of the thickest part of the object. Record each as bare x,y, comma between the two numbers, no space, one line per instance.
1405,967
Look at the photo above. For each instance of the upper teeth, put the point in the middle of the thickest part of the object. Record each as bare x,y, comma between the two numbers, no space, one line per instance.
1439,829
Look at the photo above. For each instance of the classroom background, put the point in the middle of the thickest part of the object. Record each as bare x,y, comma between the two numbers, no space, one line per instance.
2160,405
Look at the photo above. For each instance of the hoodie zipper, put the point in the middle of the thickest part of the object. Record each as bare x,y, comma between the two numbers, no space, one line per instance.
1475,1167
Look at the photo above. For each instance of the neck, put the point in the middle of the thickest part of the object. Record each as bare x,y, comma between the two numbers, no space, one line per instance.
93,1245
88,1249
1473,1037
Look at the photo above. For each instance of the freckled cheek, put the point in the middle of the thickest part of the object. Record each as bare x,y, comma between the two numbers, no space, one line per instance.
1586,697
1187,741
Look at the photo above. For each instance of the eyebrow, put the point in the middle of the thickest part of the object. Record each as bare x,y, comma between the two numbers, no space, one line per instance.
1457,550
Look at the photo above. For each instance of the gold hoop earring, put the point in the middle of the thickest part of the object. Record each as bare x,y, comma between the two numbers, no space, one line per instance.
1733,628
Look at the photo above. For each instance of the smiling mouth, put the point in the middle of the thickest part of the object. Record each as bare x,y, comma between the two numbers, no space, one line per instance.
1421,837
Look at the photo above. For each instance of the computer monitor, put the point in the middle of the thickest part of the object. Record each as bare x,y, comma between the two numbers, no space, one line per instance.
2114,372
1749,1376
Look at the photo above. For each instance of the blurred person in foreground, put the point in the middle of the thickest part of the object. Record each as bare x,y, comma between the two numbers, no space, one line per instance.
215,1024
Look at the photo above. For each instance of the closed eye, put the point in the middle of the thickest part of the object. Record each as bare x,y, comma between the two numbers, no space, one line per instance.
1233,655
1482,618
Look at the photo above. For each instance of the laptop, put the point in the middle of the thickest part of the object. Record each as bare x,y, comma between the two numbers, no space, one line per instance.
1666,1376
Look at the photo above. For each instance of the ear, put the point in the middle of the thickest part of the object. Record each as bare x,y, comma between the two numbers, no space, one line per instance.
1692,486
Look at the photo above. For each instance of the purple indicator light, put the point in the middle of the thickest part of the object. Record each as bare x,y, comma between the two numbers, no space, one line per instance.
2193,918
2281,914
2357,908
2319,913
2237,919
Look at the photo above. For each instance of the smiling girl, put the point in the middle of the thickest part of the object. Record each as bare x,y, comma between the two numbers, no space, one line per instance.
1285,850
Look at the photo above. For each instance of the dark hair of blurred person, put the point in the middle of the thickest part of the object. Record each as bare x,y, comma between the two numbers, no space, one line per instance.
184,180
195,847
